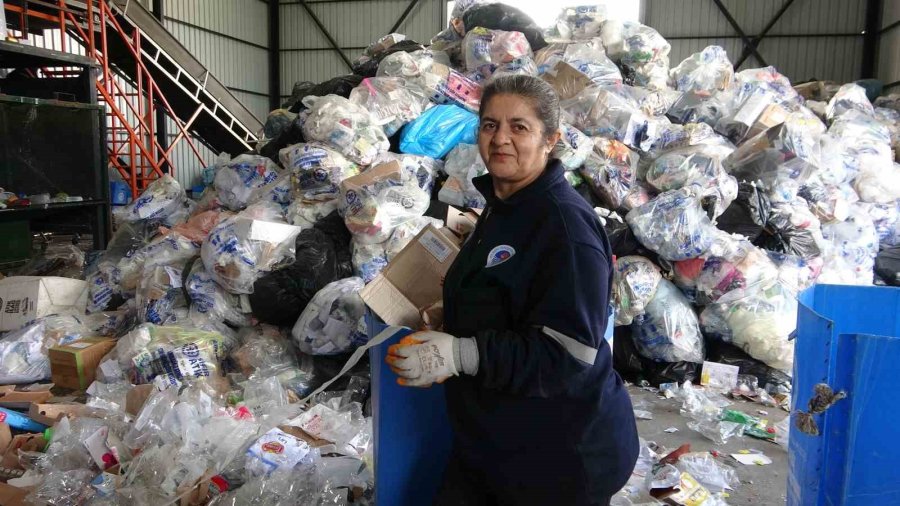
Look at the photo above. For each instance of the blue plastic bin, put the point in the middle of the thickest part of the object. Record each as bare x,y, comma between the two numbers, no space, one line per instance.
412,432
119,193
846,337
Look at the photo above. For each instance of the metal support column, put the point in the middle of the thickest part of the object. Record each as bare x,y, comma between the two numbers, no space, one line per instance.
162,131
274,56
409,8
870,39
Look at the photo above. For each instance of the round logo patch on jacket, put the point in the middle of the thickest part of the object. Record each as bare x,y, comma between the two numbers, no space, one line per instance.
500,254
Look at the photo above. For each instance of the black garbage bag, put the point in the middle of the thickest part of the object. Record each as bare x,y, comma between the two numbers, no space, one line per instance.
341,85
635,368
291,135
369,67
333,225
748,213
887,265
504,17
724,353
781,236
322,256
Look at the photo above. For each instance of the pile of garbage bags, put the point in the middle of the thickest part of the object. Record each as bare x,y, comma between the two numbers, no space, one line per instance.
723,194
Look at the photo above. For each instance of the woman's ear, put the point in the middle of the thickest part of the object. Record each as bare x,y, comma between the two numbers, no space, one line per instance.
552,139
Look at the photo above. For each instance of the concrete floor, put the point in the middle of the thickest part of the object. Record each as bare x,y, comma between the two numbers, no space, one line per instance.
760,485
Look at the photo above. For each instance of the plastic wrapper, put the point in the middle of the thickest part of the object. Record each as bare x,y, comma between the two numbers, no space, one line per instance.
700,107
421,168
240,249
160,295
340,86
697,166
573,147
266,353
590,59
706,71
635,281
405,65
611,172
438,130
163,202
447,86
640,49
668,330
742,267
391,101
496,16
331,322
322,256
63,488
849,258
463,164
609,111
305,214
579,23
386,199
207,298
850,96
760,324
406,232
485,49
345,125
523,66
317,170
886,218
712,474
368,260
175,353
23,352
717,432
858,141
673,225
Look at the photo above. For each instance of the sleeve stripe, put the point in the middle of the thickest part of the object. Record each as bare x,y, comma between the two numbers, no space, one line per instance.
580,351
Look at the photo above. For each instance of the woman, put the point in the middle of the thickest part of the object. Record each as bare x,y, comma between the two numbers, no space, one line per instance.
539,415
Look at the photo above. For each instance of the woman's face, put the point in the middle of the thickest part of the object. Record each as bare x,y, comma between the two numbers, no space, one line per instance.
511,140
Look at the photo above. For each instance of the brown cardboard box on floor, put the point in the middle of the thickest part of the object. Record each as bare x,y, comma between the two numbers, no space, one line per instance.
49,414
414,279
13,496
23,400
74,365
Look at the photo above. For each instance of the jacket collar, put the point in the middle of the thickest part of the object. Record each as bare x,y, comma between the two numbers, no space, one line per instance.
553,175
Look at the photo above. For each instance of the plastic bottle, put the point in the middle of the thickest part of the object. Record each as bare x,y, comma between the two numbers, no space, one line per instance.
19,421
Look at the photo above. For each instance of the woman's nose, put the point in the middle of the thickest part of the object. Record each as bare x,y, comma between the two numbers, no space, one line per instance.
501,136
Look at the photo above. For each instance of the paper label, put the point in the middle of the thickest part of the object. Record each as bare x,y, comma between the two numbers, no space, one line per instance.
435,246
79,345
275,449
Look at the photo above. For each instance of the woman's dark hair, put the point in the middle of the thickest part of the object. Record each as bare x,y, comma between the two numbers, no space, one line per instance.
541,95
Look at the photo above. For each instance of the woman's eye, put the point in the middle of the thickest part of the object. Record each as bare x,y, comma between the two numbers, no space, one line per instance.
487,126
519,128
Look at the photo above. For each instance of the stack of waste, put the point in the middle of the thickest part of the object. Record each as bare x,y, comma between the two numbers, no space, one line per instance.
724,195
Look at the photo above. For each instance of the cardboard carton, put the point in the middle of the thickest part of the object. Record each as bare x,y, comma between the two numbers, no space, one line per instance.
24,298
461,222
414,279
23,400
13,496
566,80
49,414
74,365
136,397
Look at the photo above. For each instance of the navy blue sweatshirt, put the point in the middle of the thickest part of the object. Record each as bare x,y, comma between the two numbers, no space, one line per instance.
532,286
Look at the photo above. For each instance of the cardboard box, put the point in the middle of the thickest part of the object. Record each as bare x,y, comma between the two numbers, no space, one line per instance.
566,80
136,397
23,400
358,191
462,222
74,365
414,279
24,298
24,442
13,496
49,414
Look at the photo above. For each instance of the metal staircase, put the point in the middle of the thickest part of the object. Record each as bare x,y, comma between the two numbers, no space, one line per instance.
143,70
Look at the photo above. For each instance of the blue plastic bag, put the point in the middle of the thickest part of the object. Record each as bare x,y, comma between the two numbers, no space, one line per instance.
438,130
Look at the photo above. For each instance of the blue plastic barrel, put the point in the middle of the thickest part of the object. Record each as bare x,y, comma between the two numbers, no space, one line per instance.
847,338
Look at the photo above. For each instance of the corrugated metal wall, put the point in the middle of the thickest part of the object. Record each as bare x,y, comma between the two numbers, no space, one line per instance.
230,38
814,39
305,52
889,45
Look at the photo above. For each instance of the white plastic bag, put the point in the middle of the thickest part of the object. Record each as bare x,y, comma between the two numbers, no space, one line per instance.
708,70
635,281
850,96
611,172
573,147
241,248
23,352
317,170
486,49
164,201
673,225
331,322
207,298
668,330
345,125
463,163
237,179
391,101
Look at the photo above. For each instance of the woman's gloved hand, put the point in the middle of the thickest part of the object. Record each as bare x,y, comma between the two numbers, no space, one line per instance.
428,357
